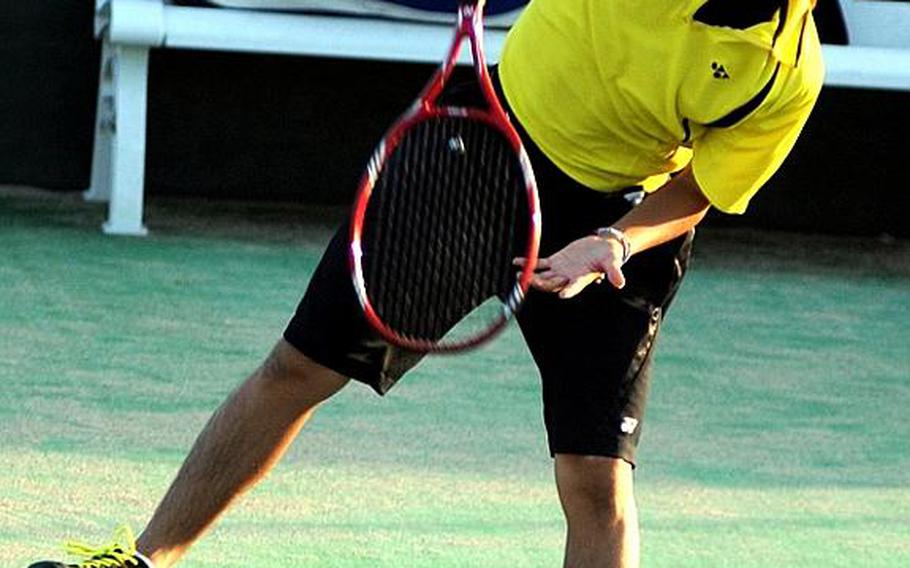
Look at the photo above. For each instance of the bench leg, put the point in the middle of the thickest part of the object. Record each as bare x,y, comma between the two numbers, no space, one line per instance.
118,165
100,189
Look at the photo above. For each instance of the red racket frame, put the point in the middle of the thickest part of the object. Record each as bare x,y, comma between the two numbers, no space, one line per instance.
469,26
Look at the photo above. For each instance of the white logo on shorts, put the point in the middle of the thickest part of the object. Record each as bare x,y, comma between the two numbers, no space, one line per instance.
628,425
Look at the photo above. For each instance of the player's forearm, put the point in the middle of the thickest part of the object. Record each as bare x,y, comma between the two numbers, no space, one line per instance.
666,214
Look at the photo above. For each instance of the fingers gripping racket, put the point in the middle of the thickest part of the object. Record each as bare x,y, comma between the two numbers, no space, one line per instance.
447,201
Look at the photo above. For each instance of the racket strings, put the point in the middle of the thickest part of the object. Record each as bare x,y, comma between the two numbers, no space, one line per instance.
446,313
487,195
427,250
442,226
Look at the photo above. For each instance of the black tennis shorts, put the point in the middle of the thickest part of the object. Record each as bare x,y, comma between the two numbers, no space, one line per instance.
593,351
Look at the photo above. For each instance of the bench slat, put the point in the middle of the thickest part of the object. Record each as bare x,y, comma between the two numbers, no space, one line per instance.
315,34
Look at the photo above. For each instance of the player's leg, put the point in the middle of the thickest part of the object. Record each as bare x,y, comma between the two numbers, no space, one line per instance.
250,432
326,341
241,443
601,515
594,353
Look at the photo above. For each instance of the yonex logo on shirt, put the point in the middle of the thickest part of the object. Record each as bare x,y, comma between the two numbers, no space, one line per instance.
719,71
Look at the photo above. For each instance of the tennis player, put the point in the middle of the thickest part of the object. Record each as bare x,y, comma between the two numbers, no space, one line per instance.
639,116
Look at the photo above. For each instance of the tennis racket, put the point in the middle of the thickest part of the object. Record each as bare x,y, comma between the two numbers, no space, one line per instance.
447,201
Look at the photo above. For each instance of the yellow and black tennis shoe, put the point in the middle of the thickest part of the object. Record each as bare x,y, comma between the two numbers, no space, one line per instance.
119,553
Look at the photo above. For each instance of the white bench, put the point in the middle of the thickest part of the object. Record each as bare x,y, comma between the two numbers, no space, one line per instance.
128,29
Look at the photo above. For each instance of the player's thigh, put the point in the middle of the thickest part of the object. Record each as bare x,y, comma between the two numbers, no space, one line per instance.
300,378
595,352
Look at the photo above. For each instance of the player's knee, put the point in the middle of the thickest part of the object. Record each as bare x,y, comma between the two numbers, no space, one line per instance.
292,372
595,487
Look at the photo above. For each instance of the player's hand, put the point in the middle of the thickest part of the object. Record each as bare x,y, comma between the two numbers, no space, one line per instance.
572,269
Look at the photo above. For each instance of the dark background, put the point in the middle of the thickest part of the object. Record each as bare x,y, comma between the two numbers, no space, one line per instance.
229,125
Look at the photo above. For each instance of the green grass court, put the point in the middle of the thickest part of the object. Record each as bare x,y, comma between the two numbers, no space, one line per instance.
778,433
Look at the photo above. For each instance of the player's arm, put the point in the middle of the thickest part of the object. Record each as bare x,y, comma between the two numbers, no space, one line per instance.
664,215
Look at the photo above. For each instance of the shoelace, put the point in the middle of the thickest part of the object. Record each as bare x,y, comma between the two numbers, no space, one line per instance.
120,553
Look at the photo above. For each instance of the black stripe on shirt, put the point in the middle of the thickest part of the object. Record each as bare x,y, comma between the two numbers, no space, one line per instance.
744,110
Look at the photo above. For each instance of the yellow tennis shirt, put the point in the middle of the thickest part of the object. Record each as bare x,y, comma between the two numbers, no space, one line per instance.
622,92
